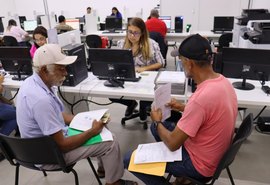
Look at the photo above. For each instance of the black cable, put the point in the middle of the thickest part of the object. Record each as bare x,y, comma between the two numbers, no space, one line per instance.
259,113
14,95
86,100
61,95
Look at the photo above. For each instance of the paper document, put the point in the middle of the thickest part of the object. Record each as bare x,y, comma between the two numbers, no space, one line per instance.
156,152
171,76
162,97
83,121
157,169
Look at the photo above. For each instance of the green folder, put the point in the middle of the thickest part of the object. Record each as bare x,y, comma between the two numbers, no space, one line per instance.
91,141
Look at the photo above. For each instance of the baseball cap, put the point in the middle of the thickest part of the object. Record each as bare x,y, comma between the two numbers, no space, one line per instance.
51,54
194,47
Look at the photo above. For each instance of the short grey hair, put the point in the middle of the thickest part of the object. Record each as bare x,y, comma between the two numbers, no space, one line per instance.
49,67
154,13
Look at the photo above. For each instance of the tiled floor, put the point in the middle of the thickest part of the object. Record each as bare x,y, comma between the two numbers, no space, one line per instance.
251,165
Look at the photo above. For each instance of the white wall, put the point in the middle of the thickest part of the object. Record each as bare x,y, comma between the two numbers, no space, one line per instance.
7,8
265,4
200,13
77,8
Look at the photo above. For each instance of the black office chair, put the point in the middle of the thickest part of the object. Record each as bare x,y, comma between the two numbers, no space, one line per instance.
93,41
28,152
242,134
10,41
224,41
156,36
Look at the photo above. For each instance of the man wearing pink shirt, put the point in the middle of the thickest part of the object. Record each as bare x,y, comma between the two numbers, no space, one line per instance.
206,128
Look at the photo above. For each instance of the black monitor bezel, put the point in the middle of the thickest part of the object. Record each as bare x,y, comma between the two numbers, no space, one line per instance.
106,63
21,59
113,23
227,23
256,61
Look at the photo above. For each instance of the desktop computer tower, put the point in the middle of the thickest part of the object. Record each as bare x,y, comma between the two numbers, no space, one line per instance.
178,24
77,71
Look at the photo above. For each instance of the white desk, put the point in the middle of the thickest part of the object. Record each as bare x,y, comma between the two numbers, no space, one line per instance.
144,90
178,37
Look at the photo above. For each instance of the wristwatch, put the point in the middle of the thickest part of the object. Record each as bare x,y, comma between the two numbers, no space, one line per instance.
156,124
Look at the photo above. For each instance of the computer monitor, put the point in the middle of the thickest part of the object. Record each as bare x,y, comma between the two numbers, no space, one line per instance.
21,20
114,65
112,23
1,25
17,61
167,20
245,63
74,23
30,26
39,19
223,23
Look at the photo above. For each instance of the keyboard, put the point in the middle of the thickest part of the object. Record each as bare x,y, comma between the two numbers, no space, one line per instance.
124,79
111,32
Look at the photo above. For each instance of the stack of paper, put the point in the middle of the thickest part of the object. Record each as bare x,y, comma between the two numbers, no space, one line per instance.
151,158
176,78
83,121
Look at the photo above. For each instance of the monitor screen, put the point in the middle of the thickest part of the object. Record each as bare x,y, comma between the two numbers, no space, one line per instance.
167,20
106,64
30,25
245,63
113,23
74,23
223,23
17,61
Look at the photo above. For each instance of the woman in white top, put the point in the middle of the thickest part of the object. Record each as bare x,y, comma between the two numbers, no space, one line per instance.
146,55
16,32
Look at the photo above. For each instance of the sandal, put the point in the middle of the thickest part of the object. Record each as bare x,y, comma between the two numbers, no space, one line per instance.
181,181
100,173
128,182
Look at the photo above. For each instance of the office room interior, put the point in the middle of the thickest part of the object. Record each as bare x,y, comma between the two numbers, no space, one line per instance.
251,165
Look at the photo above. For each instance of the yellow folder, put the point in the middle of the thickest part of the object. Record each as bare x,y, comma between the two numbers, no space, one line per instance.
157,169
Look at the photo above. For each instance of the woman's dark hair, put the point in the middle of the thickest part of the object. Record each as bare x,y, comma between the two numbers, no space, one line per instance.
42,31
114,8
12,22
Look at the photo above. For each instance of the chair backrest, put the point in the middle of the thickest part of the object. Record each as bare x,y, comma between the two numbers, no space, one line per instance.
10,41
93,41
224,40
245,128
156,36
31,151
243,132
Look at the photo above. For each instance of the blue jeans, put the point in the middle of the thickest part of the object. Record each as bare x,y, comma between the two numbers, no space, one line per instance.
177,168
8,121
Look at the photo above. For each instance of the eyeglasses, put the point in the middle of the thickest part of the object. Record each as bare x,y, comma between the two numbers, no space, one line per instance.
135,33
41,39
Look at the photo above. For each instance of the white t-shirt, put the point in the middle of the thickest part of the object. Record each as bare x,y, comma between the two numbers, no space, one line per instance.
17,32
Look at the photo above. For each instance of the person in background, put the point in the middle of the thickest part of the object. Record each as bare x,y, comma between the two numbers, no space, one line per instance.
146,55
40,112
40,38
88,10
206,127
8,121
116,13
62,26
153,24
17,32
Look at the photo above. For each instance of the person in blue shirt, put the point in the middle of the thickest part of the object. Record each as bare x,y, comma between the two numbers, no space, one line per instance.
116,13
8,121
